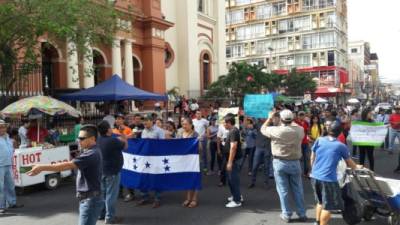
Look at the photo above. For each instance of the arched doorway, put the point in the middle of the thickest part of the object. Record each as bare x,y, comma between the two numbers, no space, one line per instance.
137,70
50,61
99,67
205,70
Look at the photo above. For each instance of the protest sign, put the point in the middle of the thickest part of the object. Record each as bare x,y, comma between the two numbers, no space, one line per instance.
258,106
367,134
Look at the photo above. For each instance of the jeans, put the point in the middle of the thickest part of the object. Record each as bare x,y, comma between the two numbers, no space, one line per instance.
89,210
288,180
249,153
393,134
305,158
7,188
369,151
234,181
261,156
214,155
110,191
204,154
146,196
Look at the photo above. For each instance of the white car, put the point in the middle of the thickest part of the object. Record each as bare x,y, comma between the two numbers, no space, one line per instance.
383,105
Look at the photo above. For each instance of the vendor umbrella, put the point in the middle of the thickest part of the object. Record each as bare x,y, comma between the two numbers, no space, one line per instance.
321,100
43,104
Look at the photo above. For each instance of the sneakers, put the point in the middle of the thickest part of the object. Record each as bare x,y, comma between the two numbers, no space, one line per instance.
230,199
128,198
397,170
233,204
252,185
2,211
285,218
303,219
16,206
115,220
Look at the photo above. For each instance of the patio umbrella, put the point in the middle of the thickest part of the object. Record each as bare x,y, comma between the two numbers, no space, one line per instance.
43,104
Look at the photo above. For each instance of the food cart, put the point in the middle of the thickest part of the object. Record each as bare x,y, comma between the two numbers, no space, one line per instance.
39,153
25,158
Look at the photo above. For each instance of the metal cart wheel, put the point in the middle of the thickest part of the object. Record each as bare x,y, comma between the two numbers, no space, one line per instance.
52,181
394,219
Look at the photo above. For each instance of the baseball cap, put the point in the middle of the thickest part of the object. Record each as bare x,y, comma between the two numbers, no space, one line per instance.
147,117
286,115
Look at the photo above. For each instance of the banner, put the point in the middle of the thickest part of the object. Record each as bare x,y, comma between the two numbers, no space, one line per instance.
258,106
368,134
162,165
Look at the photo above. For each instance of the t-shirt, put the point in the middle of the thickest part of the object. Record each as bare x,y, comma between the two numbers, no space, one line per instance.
305,126
233,136
126,130
89,165
329,151
395,118
32,134
111,151
200,126
22,133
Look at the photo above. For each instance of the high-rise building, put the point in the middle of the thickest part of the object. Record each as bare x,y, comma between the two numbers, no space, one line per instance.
309,35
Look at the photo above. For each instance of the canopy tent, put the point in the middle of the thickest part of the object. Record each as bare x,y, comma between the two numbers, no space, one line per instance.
353,101
113,89
321,100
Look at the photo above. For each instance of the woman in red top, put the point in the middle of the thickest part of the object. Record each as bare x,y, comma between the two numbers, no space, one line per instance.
33,132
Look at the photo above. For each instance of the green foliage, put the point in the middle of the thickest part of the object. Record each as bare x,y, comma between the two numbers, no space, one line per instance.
299,83
24,21
236,83
242,79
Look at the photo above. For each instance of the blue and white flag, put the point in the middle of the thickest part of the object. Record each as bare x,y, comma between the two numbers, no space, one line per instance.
162,165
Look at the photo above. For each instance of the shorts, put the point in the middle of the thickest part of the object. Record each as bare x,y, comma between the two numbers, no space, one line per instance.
327,194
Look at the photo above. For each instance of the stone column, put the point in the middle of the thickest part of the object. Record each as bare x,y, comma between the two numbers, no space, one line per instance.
116,57
72,66
88,70
128,62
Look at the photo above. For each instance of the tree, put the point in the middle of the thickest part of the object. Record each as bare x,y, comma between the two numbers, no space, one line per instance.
84,22
297,84
242,79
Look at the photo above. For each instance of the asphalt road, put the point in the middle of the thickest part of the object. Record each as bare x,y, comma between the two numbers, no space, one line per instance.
261,206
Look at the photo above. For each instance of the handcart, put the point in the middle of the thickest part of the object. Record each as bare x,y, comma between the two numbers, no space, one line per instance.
381,195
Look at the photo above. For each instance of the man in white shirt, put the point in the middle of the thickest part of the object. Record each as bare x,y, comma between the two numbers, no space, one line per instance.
200,126
22,131
110,119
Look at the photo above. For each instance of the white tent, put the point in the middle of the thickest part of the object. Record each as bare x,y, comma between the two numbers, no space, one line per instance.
321,100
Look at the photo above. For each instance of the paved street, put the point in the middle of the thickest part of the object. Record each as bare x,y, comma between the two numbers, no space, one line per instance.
261,207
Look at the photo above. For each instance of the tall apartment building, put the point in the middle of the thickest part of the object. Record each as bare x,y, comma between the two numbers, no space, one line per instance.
360,54
309,35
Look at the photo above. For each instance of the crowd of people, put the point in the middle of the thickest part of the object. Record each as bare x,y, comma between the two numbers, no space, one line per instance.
294,143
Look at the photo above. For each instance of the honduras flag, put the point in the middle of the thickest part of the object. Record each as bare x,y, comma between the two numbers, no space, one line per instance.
162,165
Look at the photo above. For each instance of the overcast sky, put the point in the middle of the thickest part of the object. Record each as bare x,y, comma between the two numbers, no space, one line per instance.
378,22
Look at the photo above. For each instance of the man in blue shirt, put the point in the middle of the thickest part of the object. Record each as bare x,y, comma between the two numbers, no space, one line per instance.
7,189
326,154
111,150
88,180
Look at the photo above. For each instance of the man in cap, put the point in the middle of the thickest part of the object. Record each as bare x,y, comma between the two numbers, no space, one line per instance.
7,189
326,153
286,151
394,121
151,131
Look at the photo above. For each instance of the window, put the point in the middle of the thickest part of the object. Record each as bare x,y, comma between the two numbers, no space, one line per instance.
264,11
263,47
280,45
235,17
279,8
327,78
327,40
302,60
319,40
258,62
331,17
309,4
200,6
250,31
206,64
295,24
331,58
242,2
235,51
354,50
